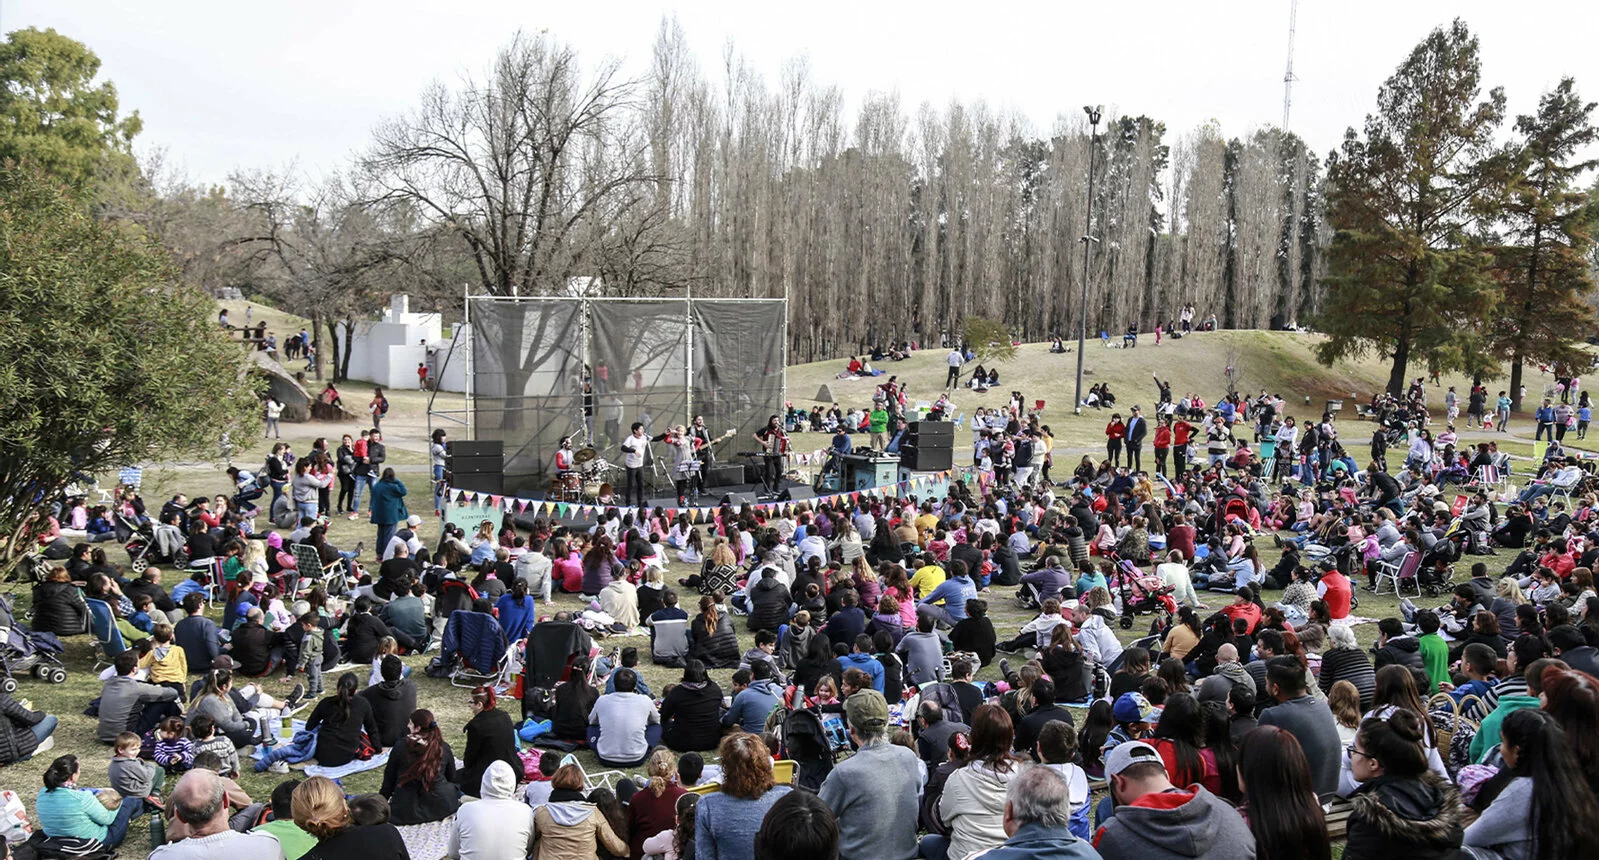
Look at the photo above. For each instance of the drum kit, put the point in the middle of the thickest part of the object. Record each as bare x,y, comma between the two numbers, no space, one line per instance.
588,482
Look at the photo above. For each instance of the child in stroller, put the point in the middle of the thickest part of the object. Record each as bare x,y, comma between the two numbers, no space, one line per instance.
1141,593
149,544
22,650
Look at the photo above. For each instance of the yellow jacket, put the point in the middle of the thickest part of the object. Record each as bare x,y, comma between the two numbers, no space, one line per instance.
173,666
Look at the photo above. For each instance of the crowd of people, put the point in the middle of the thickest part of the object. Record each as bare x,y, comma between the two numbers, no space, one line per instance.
1233,730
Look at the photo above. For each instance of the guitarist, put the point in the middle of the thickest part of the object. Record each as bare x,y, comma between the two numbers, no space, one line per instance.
703,440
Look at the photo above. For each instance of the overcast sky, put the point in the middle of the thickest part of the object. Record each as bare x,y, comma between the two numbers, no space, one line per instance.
222,85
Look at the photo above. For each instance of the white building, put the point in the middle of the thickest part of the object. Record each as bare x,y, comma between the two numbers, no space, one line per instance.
386,352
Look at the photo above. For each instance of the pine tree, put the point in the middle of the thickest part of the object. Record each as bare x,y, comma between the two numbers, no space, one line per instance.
1543,263
1405,277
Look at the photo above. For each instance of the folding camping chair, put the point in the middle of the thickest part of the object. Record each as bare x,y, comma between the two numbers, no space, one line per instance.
1399,574
1268,458
108,642
478,639
1488,476
309,569
599,779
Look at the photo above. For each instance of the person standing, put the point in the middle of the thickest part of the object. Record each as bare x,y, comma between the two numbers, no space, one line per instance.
1115,432
955,359
877,425
1545,416
378,407
1137,429
388,507
274,411
1502,409
633,448
345,460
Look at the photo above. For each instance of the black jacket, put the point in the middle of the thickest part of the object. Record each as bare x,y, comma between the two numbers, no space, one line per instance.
392,705
1404,651
573,701
769,602
252,648
1417,819
691,717
490,737
340,740
977,636
59,608
717,649
16,734
1032,725
158,595
362,633
1067,668
412,802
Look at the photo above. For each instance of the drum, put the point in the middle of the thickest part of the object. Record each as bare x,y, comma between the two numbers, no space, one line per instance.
570,482
591,490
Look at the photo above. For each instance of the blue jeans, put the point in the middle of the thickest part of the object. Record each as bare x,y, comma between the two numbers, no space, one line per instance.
132,807
361,481
306,509
277,490
44,729
933,847
385,534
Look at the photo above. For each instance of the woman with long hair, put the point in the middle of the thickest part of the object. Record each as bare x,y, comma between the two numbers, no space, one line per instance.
1183,635
419,782
720,570
723,825
1396,691
816,663
1402,809
897,583
216,701
973,805
574,699
517,611
342,718
600,566
1280,805
1180,739
1065,664
1572,698
653,808
1548,810
712,639
490,737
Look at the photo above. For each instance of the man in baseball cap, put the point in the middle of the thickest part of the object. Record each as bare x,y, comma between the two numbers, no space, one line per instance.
1154,819
877,817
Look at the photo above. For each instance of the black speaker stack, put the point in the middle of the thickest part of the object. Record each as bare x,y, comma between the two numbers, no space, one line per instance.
475,465
928,446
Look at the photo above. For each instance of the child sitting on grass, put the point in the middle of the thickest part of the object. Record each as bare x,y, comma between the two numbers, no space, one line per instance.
173,750
167,663
203,731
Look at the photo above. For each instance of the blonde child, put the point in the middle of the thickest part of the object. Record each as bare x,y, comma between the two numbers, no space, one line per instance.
132,776
826,691
166,662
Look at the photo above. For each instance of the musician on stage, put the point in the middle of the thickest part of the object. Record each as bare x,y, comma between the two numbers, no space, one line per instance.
565,460
684,465
774,445
634,448
702,451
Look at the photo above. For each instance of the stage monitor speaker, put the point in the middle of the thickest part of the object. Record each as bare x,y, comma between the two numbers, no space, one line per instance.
927,459
724,474
736,499
463,465
664,503
932,431
798,494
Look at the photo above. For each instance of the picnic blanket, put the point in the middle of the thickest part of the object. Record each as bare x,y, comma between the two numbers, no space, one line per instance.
345,770
1352,620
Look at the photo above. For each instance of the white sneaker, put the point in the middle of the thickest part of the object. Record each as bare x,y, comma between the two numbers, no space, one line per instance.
46,745
278,767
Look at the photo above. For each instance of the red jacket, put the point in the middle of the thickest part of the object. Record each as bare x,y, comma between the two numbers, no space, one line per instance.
1247,611
1180,433
1162,436
1338,594
1115,430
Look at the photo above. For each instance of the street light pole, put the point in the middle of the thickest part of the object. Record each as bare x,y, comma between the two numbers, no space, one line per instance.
1093,112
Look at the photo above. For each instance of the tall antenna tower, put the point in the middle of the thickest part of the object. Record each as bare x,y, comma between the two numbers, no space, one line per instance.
1288,76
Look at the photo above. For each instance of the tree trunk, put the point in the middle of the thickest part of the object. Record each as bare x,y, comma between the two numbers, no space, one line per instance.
1515,383
1397,376
349,348
316,326
333,344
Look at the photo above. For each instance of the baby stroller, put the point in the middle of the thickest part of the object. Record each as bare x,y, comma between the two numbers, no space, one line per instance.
22,650
1436,573
143,545
808,743
1142,594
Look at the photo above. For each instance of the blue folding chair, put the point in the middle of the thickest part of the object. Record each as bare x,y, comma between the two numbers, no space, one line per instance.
108,642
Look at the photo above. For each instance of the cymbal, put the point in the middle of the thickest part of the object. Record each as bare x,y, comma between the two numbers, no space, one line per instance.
586,455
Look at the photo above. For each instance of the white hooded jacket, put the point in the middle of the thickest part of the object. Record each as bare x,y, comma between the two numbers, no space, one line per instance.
495,826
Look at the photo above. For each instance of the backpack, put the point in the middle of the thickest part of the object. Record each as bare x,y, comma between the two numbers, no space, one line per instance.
383,406
947,700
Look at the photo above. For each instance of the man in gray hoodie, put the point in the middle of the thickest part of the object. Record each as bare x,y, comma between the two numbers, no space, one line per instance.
1155,820
869,792
1229,673
130,705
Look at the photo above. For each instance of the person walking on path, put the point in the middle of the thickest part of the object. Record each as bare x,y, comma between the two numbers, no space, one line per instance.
388,507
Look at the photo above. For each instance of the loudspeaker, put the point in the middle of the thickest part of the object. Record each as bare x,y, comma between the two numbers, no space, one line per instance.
476,448
464,465
724,474
798,494
479,482
933,431
927,459
736,499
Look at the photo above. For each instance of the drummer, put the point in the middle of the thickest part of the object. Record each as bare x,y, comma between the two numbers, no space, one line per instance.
565,460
